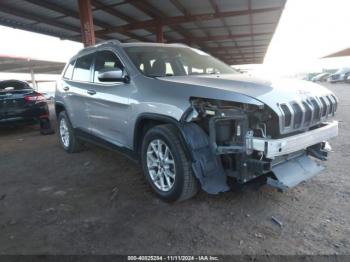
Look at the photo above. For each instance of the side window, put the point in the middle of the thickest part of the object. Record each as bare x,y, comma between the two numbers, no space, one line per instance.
69,70
104,60
82,68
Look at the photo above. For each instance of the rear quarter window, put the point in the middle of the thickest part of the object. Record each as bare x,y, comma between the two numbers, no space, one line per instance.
82,67
69,70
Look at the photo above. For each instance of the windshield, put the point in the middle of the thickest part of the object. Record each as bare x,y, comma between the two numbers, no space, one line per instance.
156,61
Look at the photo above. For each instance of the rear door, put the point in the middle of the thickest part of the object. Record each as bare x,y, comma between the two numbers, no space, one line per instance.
109,103
75,88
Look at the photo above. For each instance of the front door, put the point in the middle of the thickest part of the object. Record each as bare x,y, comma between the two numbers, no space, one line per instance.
109,104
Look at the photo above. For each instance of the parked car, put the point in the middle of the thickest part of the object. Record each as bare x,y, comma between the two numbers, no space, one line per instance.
320,77
339,76
347,77
20,103
192,120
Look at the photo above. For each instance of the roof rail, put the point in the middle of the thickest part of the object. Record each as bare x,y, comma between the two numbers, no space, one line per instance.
180,44
116,42
113,41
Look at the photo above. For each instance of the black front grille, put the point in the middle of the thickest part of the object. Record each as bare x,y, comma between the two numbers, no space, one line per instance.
304,114
287,115
331,105
308,112
298,115
317,111
335,103
324,107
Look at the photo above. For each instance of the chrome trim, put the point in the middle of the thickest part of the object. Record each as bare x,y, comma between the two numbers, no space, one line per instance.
330,102
283,146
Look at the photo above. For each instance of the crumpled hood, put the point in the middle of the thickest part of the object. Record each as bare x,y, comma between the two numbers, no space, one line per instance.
270,92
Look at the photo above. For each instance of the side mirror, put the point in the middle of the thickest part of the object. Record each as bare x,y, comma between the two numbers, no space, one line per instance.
112,75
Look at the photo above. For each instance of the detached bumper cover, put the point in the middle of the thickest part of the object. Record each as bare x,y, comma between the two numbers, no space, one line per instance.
292,172
278,147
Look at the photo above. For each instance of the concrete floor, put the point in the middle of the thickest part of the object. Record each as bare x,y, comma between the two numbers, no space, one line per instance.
98,202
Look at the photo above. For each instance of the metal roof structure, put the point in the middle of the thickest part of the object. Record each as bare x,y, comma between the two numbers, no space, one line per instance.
11,64
236,31
345,52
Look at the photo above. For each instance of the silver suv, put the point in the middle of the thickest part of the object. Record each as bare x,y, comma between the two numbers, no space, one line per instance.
191,120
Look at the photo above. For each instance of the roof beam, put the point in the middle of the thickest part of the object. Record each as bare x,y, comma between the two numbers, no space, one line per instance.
157,15
74,14
54,7
16,24
240,61
251,22
100,6
63,10
38,18
222,37
175,20
236,53
223,26
235,56
221,48
217,10
185,12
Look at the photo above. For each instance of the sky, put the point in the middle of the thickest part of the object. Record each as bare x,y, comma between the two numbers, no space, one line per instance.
27,44
308,30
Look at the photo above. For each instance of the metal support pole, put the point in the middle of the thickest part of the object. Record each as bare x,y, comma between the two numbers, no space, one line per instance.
86,23
35,87
160,34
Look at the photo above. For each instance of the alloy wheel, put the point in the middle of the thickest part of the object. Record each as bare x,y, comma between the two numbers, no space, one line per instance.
161,165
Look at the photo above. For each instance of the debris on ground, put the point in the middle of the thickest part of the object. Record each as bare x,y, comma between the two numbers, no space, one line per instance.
12,222
60,193
87,163
336,245
258,235
50,210
45,189
114,193
277,221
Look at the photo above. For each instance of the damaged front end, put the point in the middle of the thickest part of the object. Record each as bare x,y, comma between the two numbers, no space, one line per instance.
243,141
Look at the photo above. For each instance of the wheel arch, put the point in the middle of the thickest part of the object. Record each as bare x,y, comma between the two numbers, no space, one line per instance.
147,121
59,107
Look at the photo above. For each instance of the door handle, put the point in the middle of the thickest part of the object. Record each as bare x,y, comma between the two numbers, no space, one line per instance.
91,92
66,88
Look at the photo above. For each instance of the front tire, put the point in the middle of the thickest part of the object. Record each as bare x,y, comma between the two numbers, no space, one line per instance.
66,135
166,166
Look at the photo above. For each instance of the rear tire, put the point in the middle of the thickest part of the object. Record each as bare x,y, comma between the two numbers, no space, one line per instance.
66,135
45,127
170,159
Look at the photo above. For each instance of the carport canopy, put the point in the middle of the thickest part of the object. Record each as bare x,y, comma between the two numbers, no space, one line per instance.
235,31
344,52
13,64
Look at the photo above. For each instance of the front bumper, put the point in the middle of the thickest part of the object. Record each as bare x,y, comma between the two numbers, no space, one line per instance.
278,147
